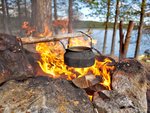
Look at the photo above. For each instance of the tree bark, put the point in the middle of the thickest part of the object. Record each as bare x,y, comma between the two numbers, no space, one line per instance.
70,14
139,37
41,14
25,7
106,27
4,18
33,8
115,28
19,13
55,15
8,16
121,40
128,37
55,10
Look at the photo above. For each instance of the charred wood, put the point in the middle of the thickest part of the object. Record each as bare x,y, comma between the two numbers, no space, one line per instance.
87,81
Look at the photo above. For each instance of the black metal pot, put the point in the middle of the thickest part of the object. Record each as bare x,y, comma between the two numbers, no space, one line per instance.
80,56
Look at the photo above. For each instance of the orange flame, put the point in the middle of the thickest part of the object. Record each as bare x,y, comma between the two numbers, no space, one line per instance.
52,63
26,26
52,59
46,32
62,24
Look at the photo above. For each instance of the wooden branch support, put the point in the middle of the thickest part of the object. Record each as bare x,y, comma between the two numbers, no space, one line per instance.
33,40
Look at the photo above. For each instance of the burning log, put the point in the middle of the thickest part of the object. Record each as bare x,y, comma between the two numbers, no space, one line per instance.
90,83
43,95
33,40
129,86
87,81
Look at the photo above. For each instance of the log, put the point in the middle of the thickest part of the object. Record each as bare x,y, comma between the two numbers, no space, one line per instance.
33,40
87,81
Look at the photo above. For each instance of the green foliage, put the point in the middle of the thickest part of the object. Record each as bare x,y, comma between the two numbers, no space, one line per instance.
128,10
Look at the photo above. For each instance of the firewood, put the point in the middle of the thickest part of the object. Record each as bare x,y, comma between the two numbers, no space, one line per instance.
87,81
33,40
95,88
100,94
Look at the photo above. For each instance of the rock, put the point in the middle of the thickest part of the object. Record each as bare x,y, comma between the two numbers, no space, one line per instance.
147,66
13,61
43,95
129,86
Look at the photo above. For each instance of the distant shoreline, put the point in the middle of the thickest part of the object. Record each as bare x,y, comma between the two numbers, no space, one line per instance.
95,24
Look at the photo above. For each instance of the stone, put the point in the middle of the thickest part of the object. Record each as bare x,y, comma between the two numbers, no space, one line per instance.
14,63
43,95
129,86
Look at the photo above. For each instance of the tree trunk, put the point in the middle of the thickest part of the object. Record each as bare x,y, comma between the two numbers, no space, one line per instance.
128,37
8,16
19,13
41,14
25,8
121,35
33,8
115,28
55,15
5,19
70,14
55,10
140,28
4,16
106,27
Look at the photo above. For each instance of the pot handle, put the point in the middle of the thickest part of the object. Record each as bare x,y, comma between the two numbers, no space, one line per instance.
85,35
62,44
97,51
91,43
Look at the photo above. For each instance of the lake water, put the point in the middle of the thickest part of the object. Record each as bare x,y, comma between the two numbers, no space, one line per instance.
98,34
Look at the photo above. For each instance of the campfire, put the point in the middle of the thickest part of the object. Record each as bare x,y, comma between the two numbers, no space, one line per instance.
115,87
52,63
52,58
